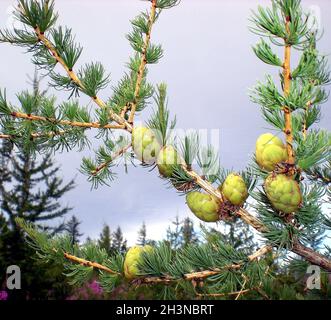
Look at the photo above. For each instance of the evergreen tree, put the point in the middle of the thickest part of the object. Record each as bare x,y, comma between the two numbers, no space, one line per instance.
181,233
72,229
240,236
142,235
105,240
119,244
30,189
188,233
174,234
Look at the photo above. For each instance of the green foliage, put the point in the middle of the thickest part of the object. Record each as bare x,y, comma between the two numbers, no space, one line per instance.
160,119
166,4
66,47
271,22
36,14
161,262
264,52
100,171
72,229
314,149
105,240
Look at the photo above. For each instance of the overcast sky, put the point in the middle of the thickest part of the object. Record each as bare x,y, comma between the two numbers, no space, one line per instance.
208,66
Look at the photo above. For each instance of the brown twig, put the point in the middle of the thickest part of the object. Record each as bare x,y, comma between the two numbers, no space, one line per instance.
5,136
87,125
36,135
143,62
314,257
242,290
206,273
89,263
225,294
287,89
115,155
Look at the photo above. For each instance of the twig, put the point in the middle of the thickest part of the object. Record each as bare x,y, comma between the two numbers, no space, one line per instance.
116,155
206,273
36,135
5,136
143,62
217,295
89,263
96,125
242,290
287,88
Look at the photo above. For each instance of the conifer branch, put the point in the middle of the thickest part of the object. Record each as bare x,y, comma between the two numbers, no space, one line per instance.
77,81
312,256
87,125
87,263
115,156
287,88
306,253
143,61
5,136
206,273
225,294
36,135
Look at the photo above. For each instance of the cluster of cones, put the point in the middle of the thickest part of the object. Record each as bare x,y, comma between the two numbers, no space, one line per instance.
282,190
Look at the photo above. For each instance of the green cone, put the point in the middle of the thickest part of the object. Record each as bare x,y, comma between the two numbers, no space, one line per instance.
234,189
145,144
270,151
132,259
204,206
166,160
283,192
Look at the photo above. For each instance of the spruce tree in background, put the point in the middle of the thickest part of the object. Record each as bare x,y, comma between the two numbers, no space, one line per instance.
280,194
142,235
119,244
72,229
238,234
188,233
174,234
181,233
105,240
29,189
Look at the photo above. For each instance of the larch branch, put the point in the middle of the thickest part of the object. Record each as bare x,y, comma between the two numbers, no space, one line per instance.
287,89
143,62
86,125
76,80
36,135
206,273
243,214
87,263
115,156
